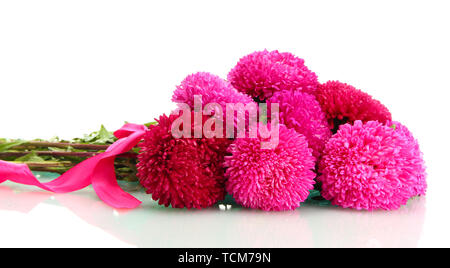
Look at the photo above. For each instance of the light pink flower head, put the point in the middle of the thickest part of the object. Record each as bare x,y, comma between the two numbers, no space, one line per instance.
270,179
371,166
262,73
303,113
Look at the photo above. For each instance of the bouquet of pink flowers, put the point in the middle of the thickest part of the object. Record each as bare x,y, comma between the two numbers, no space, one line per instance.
271,136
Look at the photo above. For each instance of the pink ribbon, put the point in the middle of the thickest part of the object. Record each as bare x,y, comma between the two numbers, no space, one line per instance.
98,171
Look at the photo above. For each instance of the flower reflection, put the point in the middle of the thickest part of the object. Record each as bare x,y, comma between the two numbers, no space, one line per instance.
337,227
152,225
22,202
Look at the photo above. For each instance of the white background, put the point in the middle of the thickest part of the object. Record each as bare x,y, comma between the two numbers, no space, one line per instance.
68,66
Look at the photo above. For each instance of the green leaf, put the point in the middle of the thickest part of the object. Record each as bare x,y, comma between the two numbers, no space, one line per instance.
263,113
55,139
31,157
8,145
56,149
315,198
103,137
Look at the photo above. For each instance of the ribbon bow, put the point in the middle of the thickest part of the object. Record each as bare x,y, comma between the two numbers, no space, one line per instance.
97,170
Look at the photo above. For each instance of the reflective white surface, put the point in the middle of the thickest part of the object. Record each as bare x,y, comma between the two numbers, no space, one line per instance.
31,217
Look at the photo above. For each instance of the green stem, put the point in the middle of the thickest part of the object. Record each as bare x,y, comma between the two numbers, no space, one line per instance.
63,145
5,155
45,164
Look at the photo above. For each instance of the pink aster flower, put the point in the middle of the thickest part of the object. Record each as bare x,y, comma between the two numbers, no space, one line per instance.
302,112
371,166
212,88
184,172
343,103
270,179
417,163
262,73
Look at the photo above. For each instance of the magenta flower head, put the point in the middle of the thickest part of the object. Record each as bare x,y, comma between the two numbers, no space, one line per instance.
262,73
417,162
371,166
343,103
181,172
211,88
270,179
213,91
302,112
